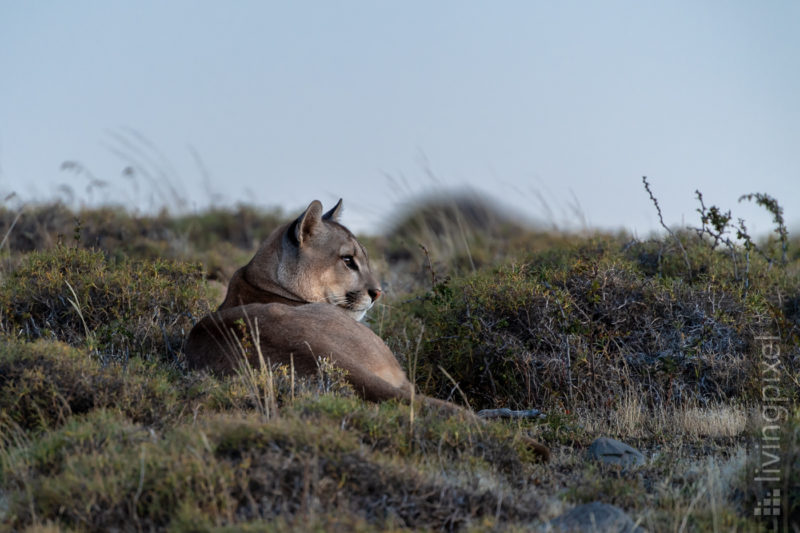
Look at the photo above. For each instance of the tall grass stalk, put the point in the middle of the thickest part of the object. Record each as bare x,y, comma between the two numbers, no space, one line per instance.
75,303
259,382
412,375
11,228
663,225
456,387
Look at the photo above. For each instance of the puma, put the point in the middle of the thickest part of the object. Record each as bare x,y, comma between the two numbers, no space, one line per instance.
304,292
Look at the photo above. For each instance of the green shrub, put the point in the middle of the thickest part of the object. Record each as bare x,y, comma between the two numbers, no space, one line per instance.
244,227
220,239
43,383
115,230
771,286
581,327
100,472
116,307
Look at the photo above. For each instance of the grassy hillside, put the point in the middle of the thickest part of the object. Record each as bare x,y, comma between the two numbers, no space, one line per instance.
658,343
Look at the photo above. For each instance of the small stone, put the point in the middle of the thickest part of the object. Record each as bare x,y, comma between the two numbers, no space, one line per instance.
593,517
614,452
505,412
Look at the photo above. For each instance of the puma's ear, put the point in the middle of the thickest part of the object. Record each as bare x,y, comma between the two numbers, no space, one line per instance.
334,213
307,223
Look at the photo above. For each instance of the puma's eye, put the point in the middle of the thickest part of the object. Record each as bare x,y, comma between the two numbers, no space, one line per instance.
350,262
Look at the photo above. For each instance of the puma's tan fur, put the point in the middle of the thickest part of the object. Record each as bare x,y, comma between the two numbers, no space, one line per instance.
304,291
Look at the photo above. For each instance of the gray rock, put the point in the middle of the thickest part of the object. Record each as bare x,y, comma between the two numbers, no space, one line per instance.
505,412
614,452
595,517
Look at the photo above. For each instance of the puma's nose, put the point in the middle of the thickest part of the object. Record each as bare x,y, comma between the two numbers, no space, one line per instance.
374,294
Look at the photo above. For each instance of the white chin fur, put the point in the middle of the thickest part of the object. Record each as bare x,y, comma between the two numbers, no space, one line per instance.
358,314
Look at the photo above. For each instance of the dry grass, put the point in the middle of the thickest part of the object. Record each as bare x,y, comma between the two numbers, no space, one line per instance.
633,418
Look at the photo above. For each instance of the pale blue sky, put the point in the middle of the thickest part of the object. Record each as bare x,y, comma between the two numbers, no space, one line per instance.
285,102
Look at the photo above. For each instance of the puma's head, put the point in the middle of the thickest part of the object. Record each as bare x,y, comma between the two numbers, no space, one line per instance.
316,259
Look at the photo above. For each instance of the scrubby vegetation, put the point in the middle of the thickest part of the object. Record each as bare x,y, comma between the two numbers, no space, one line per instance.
117,307
658,343
580,324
